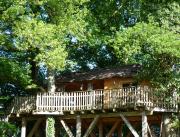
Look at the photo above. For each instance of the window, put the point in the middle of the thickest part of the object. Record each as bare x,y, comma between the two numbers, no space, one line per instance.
90,87
61,88
126,86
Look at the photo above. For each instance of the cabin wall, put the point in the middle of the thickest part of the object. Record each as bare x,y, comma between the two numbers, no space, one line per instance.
111,83
116,82
81,85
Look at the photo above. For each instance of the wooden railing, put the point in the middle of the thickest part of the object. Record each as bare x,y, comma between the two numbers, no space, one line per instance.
22,104
69,101
133,97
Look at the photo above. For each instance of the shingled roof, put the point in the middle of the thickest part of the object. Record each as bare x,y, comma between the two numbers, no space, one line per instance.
97,74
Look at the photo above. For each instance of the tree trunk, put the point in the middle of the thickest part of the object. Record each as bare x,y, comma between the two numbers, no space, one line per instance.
34,68
166,125
51,81
50,129
50,122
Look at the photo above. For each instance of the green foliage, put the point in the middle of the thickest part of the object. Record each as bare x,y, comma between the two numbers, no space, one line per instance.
94,33
168,16
155,48
36,35
50,128
165,13
27,37
112,15
8,129
12,72
43,40
176,123
141,42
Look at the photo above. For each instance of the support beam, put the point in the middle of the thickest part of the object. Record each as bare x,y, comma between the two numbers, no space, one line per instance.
104,115
78,126
85,126
67,129
113,128
91,127
130,133
161,127
144,125
35,127
23,128
129,126
149,130
119,130
100,126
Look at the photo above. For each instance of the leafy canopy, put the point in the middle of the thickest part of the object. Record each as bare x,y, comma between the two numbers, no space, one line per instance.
91,33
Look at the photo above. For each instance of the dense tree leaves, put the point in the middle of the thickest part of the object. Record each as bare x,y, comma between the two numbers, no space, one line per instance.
40,36
12,72
43,40
143,39
111,15
7,129
24,30
94,33
165,13
87,57
155,48
168,16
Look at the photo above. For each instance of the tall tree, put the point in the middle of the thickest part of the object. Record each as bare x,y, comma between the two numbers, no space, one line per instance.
47,35
25,30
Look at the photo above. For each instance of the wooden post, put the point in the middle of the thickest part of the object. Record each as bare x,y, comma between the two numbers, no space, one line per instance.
91,127
144,125
67,129
129,126
113,129
36,125
100,129
120,130
78,126
23,128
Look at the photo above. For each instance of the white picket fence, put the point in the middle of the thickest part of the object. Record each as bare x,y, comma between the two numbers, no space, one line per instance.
69,101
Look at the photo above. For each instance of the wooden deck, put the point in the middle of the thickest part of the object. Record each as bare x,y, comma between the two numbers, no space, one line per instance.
99,100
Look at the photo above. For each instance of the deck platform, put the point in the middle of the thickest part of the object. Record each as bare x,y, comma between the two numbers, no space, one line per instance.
115,100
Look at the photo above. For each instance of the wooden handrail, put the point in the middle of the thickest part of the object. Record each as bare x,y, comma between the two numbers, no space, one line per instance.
94,100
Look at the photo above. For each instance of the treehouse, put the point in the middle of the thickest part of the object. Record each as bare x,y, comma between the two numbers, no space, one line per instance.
106,102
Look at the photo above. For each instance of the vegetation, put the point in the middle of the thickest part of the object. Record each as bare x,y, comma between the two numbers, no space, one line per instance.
50,127
42,36
7,130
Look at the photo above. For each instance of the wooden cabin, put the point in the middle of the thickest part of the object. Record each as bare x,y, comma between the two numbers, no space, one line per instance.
104,103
